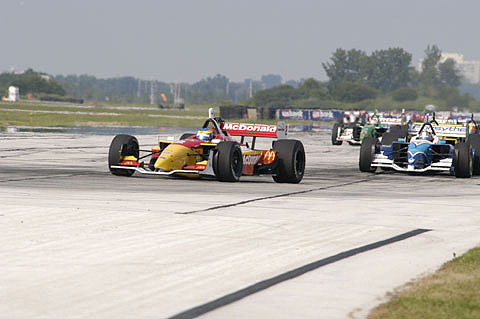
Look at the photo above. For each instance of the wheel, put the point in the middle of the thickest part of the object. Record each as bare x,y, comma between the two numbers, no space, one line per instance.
186,135
388,138
228,162
291,161
117,150
463,160
367,151
399,130
474,141
394,134
335,130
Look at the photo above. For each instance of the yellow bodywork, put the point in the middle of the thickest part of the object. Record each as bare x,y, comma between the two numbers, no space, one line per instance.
176,156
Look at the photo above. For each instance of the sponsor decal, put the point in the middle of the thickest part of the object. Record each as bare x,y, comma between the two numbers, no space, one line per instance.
322,114
250,159
268,157
250,127
292,113
442,129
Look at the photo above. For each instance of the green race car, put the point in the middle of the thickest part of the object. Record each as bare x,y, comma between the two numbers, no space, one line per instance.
355,133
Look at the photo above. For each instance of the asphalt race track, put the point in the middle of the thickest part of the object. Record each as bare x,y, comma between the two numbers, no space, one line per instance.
78,242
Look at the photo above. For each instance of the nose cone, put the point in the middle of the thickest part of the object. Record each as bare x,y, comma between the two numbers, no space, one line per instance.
173,157
418,155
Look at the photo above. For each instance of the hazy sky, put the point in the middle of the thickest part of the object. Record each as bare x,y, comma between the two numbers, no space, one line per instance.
186,40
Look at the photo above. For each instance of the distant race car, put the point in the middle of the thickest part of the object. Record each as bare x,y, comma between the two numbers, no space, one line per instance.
429,146
355,133
213,152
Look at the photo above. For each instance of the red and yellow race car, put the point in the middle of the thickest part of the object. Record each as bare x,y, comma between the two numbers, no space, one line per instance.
213,152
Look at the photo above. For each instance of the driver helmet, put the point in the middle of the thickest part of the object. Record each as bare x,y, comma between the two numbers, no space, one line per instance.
205,135
427,136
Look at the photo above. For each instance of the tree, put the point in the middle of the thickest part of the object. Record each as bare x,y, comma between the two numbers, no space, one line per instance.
278,96
353,92
404,94
348,66
389,69
452,97
313,88
449,74
429,76
35,82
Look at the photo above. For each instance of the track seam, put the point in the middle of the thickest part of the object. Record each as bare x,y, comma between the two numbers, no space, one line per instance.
42,177
265,284
272,197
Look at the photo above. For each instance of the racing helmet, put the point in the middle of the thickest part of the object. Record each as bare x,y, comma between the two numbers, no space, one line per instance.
205,134
427,136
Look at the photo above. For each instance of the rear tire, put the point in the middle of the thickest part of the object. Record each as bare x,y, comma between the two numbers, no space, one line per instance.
228,162
291,161
335,134
474,141
463,160
114,153
367,151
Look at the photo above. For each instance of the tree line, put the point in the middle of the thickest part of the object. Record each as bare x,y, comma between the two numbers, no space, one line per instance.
30,82
355,76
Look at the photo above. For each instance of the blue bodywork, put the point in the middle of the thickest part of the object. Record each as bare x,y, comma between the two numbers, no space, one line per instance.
419,155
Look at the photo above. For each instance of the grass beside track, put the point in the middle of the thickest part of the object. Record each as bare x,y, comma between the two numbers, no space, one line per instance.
451,292
62,114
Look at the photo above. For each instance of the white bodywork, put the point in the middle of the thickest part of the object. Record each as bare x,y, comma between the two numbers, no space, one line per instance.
346,136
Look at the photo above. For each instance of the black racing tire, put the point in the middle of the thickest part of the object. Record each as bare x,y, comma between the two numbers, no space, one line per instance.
228,161
186,135
474,141
463,160
335,128
388,138
395,132
367,151
115,150
291,161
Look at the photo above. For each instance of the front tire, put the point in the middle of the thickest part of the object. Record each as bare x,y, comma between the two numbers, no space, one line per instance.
117,150
367,151
463,160
228,162
291,161
335,130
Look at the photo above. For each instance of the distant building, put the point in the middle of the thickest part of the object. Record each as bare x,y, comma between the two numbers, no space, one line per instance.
470,70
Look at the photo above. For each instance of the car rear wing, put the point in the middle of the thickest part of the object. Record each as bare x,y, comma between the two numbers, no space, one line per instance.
256,130
390,121
444,130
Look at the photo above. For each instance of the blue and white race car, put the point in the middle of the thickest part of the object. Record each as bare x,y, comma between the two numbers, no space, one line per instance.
428,146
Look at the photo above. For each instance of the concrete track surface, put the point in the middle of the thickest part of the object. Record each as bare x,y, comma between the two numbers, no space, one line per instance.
78,242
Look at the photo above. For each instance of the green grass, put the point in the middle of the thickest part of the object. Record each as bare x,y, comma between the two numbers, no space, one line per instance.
451,292
23,114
